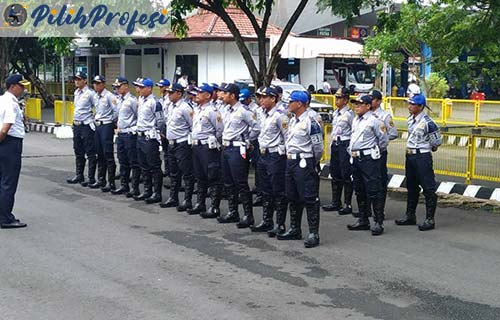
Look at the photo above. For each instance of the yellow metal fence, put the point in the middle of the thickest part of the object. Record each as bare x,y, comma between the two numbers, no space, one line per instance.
471,157
33,109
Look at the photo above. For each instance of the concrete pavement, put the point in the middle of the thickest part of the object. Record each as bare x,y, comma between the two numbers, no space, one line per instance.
89,255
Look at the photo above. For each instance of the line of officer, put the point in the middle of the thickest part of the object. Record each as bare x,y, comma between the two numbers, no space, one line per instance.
84,131
368,134
126,143
304,147
164,84
423,139
340,166
272,164
11,147
105,116
206,134
240,127
392,133
149,121
179,125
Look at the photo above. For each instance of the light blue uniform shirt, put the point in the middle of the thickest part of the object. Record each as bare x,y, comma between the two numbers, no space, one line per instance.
10,112
423,132
368,132
386,118
342,124
304,136
180,120
146,113
84,100
274,129
127,113
106,108
240,124
207,122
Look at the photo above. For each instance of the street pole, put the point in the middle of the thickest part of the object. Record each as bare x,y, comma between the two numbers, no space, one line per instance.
63,84
384,77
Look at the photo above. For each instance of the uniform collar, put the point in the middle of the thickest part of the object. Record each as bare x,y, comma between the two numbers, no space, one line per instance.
272,111
419,116
13,97
126,96
303,116
103,93
365,116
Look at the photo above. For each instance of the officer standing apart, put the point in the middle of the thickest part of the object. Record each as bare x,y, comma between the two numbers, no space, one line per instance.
207,132
392,133
304,147
11,147
127,139
179,124
164,84
240,127
340,165
272,164
423,138
84,131
149,120
106,114
368,134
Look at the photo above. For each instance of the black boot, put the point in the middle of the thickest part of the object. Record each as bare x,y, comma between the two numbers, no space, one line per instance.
188,195
124,181
101,178
173,200
232,216
148,182
362,223
111,178
378,216
201,196
80,167
411,207
157,188
258,202
281,206
430,210
336,204
247,220
347,209
215,199
295,231
267,223
136,176
312,210
91,173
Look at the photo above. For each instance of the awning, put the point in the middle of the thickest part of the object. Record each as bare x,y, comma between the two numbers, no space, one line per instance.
307,48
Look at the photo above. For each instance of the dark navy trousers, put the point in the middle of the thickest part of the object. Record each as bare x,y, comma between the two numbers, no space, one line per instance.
84,142
302,184
206,165
148,155
419,172
104,145
10,168
234,170
271,172
126,146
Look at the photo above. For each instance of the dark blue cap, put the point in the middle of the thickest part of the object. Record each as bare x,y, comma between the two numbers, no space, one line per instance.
99,78
215,86
80,75
16,79
205,87
146,82
376,94
119,81
300,96
268,91
231,88
176,87
278,89
137,82
163,83
366,99
342,93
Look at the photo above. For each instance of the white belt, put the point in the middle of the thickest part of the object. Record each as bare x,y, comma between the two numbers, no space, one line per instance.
270,150
173,141
228,143
197,142
359,153
415,151
101,123
295,156
128,130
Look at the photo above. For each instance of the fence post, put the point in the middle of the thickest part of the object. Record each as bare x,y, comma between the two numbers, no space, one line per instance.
443,112
477,109
471,159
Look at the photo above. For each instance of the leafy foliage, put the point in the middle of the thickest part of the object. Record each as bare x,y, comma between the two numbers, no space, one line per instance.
436,86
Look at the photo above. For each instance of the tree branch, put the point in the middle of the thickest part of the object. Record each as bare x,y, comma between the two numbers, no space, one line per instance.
267,14
250,15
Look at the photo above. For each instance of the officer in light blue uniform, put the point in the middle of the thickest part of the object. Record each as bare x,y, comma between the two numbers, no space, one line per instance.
304,147
84,131
423,139
206,137
149,122
106,114
282,106
240,127
164,84
392,133
340,165
11,147
272,164
368,134
179,126
126,143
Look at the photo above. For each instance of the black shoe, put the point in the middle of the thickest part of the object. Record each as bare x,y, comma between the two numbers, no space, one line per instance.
170,203
90,182
143,196
229,218
377,229
312,240
76,179
359,225
133,193
84,183
211,213
13,225
246,222
291,234
197,209
262,227
332,207
345,210
108,188
155,198
95,185
121,190
184,206
407,221
427,225
279,229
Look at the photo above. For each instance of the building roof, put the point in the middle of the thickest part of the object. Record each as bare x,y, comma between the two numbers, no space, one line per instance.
207,25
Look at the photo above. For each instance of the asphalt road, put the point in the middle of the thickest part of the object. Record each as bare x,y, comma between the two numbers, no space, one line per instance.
89,255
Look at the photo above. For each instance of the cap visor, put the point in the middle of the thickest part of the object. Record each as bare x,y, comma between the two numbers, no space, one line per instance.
24,82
